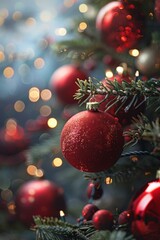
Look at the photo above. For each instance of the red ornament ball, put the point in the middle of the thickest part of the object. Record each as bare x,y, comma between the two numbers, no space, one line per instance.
88,211
124,217
13,139
63,82
145,207
103,220
94,190
92,141
120,25
39,197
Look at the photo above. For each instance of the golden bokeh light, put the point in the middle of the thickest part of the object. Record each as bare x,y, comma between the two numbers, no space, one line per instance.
46,94
19,106
11,207
60,31
57,162
134,52
108,180
34,94
82,26
31,170
45,110
83,8
2,56
39,173
52,122
8,72
109,73
17,15
31,21
11,127
39,63
120,69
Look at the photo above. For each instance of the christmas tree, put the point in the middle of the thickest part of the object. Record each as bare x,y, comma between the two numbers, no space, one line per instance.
106,100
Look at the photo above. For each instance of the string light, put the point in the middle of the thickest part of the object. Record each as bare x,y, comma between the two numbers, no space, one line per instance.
82,26
52,122
134,52
108,180
57,162
60,31
109,73
83,8
120,69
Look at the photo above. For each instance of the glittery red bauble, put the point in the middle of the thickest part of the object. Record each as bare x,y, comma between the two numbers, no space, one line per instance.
145,208
13,140
119,25
63,82
123,116
39,197
94,191
157,10
89,210
103,220
124,217
92,141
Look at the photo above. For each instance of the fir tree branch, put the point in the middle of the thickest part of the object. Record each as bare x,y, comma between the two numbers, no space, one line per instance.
115,235
54,229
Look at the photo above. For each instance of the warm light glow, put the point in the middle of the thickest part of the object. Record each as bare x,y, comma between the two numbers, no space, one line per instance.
17,15
11,127
39,173
61,213
57,162
30,21
45,16
52,122
39,63
82,26
45,110
31,170
11,207
19,106
108,180
137,74
46,94
83,8
60,31
109,73
2,56
8,72
119,69
134,52
34,94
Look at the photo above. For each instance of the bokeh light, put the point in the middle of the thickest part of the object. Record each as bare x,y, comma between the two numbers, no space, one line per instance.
8,72
34,94
52,122
45,110
19,106
46,94
57,162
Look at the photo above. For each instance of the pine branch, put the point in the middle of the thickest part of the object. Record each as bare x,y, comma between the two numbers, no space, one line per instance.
54,229
115,235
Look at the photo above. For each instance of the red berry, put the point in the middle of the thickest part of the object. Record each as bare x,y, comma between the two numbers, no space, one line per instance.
88,211
92,141
124,217
103,220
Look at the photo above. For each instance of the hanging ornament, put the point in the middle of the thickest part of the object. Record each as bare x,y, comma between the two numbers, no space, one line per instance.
145,209
88,211
13,139
63,82
120,25
103,220
92,141
157,10
124,116
148,61
39,197
94,191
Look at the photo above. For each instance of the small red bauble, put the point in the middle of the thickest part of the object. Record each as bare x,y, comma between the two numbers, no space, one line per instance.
103,220
124,217
89,210
145,207
13,139
39,197
119,25
92,141
63,82
94,191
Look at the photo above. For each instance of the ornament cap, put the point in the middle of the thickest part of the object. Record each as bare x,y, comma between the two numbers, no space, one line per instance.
92,106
